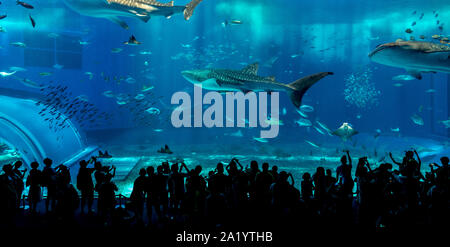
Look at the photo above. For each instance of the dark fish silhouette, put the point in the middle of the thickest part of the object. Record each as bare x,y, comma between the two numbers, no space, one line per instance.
25,5
131,41
33,23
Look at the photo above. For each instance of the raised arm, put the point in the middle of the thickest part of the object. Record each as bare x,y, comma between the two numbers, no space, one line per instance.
183,165
418,158
237,162
393,160
349,158
368,165
113,168
292,179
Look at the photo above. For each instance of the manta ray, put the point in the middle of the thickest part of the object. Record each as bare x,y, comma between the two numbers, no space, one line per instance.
345,132
141,9
414,56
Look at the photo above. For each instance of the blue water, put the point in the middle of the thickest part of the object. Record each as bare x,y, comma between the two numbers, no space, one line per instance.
290,39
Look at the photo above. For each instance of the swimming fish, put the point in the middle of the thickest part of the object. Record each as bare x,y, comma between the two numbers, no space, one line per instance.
312,144
319,130
301,113
58,66
414,56
139,97
306,108
259,139
232,22
108,94
6,74
323,126
33,23
17,69
272,121
116,50
153,111
446,123
89,74
246,80
25,5
235,134
304,122
132,41
403,78
345,131
141,9
18,44
147,88
417,119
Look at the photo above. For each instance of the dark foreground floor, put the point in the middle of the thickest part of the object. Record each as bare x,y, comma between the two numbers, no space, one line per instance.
261,228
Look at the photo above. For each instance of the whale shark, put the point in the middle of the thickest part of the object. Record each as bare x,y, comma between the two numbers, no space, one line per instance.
141,9
246,80
414,56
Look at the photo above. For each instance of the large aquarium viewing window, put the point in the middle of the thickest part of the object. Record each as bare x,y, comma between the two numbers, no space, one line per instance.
201,116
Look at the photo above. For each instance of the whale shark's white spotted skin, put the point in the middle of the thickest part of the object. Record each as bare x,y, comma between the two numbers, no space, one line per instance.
136,3
142,9
246,80
414,56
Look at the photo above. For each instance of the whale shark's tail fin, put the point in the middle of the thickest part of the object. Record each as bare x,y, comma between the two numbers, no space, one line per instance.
300,86
189,10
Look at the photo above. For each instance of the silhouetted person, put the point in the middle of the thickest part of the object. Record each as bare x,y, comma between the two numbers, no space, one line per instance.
195,192
86,186
176,186
284,195
34,183
307,187
160,195
219,180
263,181
251,176
151,190
274,173
107,198
8,204
344,174
137,197
18,180
49,181
320,185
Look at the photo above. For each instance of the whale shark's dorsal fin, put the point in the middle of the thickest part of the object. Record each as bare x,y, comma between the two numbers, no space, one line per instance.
251,69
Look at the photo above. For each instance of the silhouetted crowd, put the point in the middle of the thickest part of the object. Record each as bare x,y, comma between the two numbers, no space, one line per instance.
387,197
